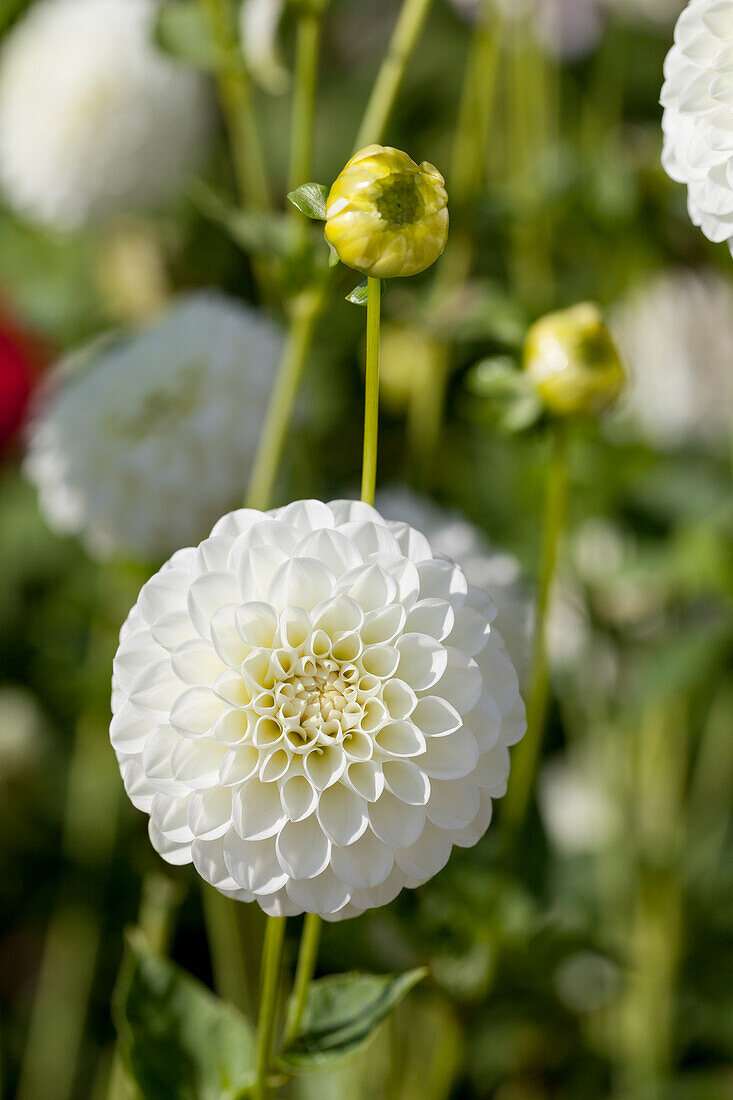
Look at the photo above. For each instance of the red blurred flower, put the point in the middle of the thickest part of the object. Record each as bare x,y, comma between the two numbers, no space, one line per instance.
21,357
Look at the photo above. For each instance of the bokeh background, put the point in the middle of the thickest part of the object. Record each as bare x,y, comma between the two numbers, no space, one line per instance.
596,961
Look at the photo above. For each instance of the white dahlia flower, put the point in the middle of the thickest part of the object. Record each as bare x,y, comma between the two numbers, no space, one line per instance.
313,708
140,448
697,97
94,120
675,334
496,572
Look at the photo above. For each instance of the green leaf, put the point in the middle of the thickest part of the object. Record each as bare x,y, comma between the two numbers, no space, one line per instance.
333,256
182,30
510,400
178,1040
358,295
341,1015
255,231
310,199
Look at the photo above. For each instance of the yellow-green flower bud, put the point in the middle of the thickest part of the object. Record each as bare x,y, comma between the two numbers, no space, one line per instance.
387,216
573,362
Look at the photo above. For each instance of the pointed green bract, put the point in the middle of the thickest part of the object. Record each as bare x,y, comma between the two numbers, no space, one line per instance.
310,199
342,1014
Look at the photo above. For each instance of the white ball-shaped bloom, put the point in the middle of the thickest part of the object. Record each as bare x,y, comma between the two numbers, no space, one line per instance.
313,708
675,333
140,447
94,119
496,572
697,97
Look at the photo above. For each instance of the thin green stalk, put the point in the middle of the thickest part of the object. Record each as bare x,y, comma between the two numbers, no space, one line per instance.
235,92
371,410
307,49
307,956
407,29
270,984
222,917
526,755
282,399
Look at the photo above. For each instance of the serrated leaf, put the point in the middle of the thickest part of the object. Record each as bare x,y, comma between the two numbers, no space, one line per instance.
182,30
310,199
341,1015
510,399
255,231
179,1041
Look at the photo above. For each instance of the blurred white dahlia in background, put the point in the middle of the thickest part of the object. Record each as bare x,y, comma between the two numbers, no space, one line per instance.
313,708
697,97
143,444
496,572
94,120
675,333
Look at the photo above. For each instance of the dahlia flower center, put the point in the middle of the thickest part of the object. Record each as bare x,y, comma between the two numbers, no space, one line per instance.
399,200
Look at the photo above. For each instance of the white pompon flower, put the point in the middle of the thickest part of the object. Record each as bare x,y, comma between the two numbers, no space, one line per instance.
144,444
675,333
313,708
94,119
496,572
697,97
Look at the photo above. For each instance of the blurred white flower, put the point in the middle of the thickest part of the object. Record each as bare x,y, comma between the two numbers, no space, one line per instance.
496,572
576,811
697,97
313,708
94,120
259,25
565,29
675,334
141,448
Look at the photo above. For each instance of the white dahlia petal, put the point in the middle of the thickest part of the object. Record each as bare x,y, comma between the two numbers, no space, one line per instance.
139,449
94,119
676,335
697,86
288,711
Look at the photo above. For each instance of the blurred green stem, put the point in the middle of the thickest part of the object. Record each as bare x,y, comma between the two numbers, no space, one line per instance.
305,313
526,755
371,410
223,920
407,29
308,40
427,404
307,957
270,984
235,92
91,816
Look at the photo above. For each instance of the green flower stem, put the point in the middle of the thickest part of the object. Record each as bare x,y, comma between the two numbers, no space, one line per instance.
222,918
306,311
308,42
270,984
307,956
371,411
526,755
235,93
407,29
